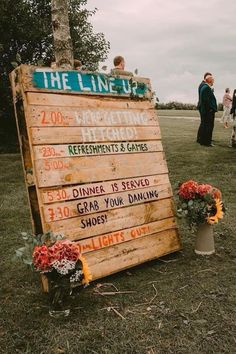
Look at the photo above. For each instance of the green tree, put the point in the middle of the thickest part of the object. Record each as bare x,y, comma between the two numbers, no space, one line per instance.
26,36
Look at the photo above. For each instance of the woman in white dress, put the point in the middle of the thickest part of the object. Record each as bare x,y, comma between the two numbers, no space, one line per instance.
227,101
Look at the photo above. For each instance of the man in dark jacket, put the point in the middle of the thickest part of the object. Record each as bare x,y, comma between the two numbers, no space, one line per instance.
199,133
207,109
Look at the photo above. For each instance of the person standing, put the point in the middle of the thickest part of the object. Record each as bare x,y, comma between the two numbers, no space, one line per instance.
227,101
199,133
233,108
77,64
233,112
207,109
119,67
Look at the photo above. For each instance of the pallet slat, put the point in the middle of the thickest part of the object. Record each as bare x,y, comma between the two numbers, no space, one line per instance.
56,172
41,116
59,100
117,237
79,191
74,135
113,220
65,210
83,83
128,254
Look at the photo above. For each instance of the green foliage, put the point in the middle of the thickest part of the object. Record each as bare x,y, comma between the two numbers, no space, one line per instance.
176,105
181,106
26,37
194,211
30,241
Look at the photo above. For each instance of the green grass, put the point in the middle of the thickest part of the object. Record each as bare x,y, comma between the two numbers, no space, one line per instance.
182,303
182,113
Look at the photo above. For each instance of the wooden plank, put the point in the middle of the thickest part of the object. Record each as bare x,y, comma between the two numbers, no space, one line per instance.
70,150
128,254
76,102
117,237
25,153
70,209
112,220
102,188
57,172
70,135
39,116
84,83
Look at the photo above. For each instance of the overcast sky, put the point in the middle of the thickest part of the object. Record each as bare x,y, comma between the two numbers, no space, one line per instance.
173,42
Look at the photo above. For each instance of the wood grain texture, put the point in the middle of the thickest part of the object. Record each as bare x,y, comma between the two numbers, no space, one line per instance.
73,150
78,191
113,220
41,116
56,172
74,135
125,235
128,254
75,102
70,209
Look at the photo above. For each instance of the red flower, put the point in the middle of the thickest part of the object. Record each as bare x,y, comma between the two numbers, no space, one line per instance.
64,250
43,256
188,190
204,189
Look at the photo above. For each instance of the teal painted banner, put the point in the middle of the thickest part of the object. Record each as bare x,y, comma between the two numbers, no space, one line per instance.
87,83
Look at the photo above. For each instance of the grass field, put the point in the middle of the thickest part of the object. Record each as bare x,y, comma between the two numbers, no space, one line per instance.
181,303
182,113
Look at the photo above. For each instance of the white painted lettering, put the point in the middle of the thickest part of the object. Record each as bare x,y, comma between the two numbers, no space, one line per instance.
102,84
45,80
88,134
65,81
126,86
55,80
93,83
111,85
131,133
81,84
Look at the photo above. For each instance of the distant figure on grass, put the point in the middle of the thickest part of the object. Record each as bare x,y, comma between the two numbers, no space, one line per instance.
199,133
233,112
227,102
119,67
207,107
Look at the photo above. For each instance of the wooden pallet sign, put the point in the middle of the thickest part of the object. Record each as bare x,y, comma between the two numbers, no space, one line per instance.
94,165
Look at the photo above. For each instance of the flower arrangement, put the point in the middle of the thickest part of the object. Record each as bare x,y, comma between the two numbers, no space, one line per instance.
200,203
60,261
54,257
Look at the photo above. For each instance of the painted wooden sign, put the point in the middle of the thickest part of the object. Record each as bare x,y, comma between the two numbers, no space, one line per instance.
94,165
86,82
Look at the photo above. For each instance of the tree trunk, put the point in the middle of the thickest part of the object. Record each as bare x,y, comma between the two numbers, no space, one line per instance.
61,33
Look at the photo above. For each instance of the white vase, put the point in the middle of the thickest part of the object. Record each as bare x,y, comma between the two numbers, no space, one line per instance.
204,244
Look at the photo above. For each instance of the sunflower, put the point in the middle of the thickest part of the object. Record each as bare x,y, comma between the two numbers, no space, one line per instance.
87,274
213,219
